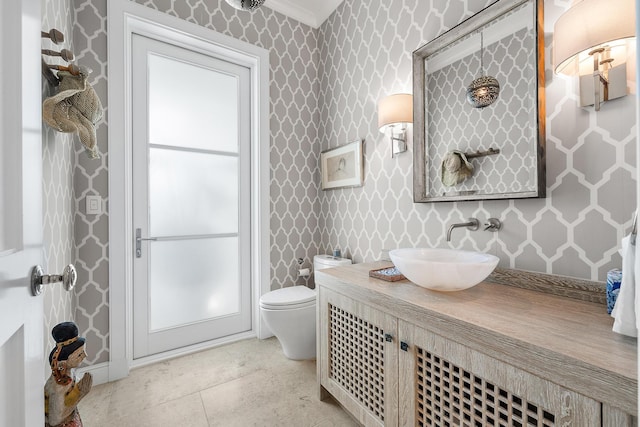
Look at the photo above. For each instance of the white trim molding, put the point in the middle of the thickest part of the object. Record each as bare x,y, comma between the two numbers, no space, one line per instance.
124,19
312,13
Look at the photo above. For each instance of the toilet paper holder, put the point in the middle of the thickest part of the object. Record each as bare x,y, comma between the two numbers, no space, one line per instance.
304,272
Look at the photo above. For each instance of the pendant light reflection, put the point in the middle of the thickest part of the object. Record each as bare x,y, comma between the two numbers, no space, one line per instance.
484,90
245,4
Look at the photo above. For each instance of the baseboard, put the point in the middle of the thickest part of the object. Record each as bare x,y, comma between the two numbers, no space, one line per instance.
100,372
137,363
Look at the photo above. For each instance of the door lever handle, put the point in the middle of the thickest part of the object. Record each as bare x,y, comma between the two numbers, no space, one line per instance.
139,240
68,278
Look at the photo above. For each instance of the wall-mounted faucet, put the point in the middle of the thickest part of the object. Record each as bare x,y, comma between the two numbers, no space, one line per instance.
492,224
473,224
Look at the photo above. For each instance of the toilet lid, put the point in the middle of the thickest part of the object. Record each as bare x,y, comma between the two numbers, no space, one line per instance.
294,295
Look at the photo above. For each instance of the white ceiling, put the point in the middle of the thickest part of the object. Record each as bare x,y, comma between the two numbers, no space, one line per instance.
310,12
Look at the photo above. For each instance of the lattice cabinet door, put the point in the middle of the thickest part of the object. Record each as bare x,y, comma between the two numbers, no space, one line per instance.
614,417
359,358
446,384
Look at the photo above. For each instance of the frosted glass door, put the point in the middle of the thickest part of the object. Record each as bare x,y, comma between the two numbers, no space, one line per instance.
191,197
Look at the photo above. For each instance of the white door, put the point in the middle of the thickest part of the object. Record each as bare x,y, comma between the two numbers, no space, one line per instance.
22,365
191,197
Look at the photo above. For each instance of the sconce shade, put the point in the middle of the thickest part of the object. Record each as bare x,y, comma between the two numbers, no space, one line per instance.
395,109
587,25
245,4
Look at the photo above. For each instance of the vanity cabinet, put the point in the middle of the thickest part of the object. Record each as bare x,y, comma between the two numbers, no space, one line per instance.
388,372
444,383
359,362
394,354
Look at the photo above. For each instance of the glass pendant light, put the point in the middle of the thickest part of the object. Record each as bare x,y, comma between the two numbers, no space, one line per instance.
484,90
245,4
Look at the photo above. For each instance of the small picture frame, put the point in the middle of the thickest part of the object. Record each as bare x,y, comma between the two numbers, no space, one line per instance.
342,166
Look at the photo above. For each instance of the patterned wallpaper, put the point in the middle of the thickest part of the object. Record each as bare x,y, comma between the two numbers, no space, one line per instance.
325,85
365,54
90,177
57,185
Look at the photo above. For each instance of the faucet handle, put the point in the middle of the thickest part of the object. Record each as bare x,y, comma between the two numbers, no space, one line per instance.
493,224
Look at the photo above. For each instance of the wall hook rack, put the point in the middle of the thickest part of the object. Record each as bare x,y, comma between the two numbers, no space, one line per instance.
489,152
65,54
48,74
57,37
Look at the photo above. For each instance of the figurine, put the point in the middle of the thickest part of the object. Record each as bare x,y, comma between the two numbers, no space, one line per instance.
61,392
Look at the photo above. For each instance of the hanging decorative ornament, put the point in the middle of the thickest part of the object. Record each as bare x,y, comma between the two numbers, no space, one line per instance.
245,4
484,90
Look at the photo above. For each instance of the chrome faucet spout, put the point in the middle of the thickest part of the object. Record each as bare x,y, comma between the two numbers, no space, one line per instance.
473,224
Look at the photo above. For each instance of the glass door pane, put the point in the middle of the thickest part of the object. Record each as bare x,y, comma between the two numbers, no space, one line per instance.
182,291
192,193
191,105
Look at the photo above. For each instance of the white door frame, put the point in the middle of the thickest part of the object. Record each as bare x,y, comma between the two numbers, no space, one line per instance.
125,18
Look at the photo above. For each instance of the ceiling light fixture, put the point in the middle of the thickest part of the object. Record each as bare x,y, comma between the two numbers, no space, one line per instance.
484,90
249,5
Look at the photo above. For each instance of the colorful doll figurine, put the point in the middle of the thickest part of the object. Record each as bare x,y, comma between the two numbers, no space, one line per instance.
61,392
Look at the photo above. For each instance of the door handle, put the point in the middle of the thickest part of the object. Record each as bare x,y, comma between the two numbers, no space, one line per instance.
139,240
38,279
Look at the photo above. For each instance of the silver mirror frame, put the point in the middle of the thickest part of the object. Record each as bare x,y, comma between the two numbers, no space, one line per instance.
420,162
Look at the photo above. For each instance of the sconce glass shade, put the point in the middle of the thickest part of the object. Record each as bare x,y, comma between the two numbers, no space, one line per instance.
589,24
395,109
483,91
245,4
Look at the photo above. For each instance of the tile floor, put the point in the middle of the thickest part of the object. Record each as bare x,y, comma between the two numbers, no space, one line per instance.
248,383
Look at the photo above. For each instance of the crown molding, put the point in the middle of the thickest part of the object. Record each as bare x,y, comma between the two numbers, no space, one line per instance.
312,16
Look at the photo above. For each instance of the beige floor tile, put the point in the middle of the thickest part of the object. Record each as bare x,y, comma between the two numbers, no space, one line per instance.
284,395
246,383
184,412
94,407
172,379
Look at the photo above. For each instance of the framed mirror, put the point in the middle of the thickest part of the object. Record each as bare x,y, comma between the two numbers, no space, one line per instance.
465,151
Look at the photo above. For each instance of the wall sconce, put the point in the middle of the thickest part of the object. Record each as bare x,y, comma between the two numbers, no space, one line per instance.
589,40
394,113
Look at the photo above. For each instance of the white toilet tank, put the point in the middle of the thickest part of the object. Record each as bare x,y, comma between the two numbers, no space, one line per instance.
327,261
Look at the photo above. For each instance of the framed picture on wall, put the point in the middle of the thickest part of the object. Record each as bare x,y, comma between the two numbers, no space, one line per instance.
342,166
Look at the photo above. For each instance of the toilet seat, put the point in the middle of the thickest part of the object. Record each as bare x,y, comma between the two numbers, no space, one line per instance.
288,298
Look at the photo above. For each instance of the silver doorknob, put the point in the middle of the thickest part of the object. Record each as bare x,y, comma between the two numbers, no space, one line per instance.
38,279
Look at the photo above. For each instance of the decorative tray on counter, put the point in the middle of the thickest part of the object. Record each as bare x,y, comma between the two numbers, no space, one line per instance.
390,274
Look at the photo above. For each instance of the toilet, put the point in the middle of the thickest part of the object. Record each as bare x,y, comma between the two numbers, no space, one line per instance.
290,313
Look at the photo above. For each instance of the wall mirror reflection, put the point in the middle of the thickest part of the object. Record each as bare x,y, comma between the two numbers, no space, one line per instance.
479,119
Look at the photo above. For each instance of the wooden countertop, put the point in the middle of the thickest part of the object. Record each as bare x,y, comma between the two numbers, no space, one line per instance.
564,340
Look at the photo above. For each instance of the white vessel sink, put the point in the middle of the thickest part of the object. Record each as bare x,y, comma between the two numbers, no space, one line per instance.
443,269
